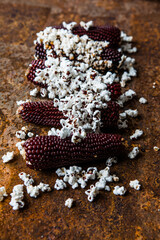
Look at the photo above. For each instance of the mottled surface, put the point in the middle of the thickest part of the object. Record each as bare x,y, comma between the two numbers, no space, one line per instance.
134,216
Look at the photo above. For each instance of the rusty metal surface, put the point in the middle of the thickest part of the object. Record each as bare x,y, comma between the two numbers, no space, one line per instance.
134,216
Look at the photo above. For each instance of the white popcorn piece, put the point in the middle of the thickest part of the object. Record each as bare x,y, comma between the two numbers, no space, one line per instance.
30,134
138,133
143,100
61,172
2,193
133,153
19,146
69,202
21,134
125,97
43,92
26,178
44,187
59,184
132,113
33,191
34,92
122,124
135,184
107,188
22,101
119,190
8,157
92,193
110,161
156,149
16,197
87,25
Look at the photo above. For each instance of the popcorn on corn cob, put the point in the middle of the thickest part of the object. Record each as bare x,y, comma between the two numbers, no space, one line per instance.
44,152
44,113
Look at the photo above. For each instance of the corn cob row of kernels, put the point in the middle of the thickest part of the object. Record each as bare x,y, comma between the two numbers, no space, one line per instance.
44,113
44,152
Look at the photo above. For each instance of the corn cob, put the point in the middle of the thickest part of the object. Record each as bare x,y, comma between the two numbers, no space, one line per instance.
30,73
44,113
44,152
100,33
97,33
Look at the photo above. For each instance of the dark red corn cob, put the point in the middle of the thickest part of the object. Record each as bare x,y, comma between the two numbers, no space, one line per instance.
44,113
45,152
111,54
115,90
100,33
30,73
41,113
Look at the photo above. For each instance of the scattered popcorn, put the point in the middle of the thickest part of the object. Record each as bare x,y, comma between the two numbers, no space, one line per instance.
110,161
16,197
156,149
135,184
87,25
43,92
8,157
2,193
21,134
107,188
132,113
34,92
115,178
21,101
19,146
125,97
137,134
119,190
33,191
59,184
30,134
122,124
133,153
69,202
26,178
92,193
61,172
142,100
44,187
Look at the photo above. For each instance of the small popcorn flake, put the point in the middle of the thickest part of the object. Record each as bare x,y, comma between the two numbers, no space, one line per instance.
8,157
132,113
156,149
33,191
16,197
133,153
30,134
22,101
92,193
107,188
2,193
142,100
137,134
43,92
34,92
119,190
61,172
21,134
26,178
59,184
135,184
110,161
69,202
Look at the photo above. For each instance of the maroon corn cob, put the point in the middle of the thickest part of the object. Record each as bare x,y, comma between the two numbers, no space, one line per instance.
100,33
97,33
30,73
44,113
44,152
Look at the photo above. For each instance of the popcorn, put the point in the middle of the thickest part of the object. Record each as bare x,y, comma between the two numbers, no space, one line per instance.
119,190
133,153
8,157
2,193
135,184
92,193
59,184
137,134
69,202
16,197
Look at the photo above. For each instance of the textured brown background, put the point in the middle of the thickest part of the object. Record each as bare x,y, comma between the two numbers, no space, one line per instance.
134,216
